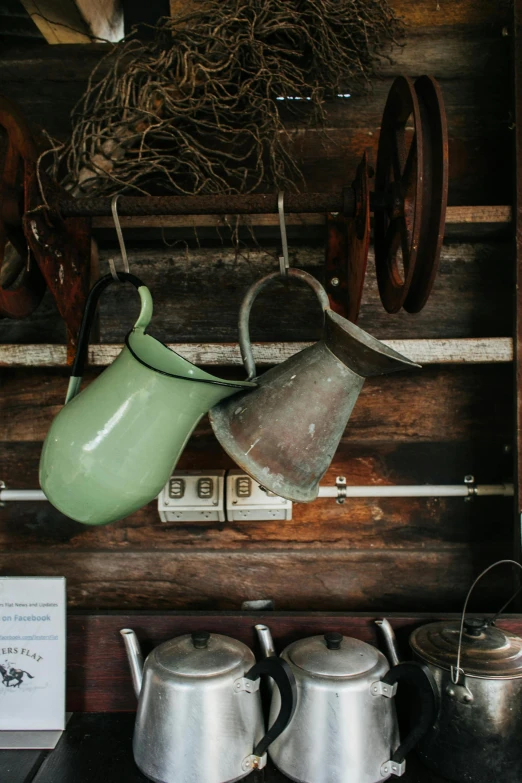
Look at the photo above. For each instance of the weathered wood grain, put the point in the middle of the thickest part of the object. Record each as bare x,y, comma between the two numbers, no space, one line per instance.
493,13
517,88
332,579
360,523
454,215
197,293
472,65
439,404
481,350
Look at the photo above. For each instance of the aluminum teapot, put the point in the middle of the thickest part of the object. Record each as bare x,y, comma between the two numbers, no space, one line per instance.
112,447
199,710
477,667
284,433
345,727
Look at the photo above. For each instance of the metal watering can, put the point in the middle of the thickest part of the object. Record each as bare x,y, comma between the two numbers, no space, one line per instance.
285,432
113,447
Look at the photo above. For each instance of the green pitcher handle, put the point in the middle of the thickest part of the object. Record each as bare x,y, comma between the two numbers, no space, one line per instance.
88,318
245,344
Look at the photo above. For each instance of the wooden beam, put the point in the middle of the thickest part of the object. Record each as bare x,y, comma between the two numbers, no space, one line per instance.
77,21
517,87
454,215
483,350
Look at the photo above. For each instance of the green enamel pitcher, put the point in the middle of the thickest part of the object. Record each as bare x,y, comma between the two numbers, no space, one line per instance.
112,447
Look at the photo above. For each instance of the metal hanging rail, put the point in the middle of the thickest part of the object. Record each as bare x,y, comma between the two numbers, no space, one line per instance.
248,204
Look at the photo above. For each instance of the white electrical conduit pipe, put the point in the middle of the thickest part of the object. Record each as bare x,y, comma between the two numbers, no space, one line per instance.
418,491
342,491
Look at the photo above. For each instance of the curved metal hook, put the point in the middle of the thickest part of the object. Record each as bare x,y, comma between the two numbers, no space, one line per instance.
284,263
123,249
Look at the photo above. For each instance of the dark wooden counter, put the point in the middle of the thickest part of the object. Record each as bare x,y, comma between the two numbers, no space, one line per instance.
97,748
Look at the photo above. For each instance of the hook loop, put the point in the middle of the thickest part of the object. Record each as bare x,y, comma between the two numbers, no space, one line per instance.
284,263
123,249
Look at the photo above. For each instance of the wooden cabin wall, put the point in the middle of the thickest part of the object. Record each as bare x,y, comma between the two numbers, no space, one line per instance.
429,426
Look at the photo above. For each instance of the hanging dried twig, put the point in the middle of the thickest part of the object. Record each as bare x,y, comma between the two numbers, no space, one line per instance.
196,109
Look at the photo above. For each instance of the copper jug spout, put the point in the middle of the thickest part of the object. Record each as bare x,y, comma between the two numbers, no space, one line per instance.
285,432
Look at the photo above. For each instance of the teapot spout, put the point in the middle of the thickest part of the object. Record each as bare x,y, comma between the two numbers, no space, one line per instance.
265,641
390,641
135,657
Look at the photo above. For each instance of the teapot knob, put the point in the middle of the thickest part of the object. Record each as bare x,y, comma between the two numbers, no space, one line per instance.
474,626
200,639
333,640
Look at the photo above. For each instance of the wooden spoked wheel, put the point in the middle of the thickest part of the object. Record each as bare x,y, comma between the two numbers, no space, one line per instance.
399,184
21,288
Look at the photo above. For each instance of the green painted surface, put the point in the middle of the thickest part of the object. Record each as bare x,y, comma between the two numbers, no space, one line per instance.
113,446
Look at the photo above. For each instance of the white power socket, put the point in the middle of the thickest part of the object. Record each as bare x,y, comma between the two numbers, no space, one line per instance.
204,496
193,496
247,500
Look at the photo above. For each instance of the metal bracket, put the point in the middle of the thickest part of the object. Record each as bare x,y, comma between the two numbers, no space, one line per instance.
380,688
2,486
469,481
254,762
393,768
244,684
340,483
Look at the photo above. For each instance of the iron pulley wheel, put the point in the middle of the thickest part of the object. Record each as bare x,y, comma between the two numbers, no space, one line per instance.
411,189
21,283
399,185
435,192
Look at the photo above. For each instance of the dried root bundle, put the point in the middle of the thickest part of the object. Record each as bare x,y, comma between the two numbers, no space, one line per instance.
196,109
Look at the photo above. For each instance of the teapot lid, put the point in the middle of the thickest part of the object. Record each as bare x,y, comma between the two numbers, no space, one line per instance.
334,655
487,651
202,654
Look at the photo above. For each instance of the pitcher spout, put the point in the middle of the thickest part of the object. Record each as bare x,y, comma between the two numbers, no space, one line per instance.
135,658
359,351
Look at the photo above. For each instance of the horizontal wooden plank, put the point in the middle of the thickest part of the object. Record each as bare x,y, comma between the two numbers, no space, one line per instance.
361,523
482,350
454,215
462,12
197,293
454,52
316,580
442,404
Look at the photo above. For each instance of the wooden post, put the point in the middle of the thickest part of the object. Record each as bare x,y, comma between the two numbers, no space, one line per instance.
517,84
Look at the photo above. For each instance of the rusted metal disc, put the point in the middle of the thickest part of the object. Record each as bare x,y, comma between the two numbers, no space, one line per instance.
435,192
21,289
398,194
358,241
348,240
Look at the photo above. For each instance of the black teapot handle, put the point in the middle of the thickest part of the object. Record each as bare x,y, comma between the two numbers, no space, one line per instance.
246,306
282,674
418,675
87,320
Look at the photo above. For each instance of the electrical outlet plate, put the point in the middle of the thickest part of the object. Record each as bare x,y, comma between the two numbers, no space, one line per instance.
247,501
193,496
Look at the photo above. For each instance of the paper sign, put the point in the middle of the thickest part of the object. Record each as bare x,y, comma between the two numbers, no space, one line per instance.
32,653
